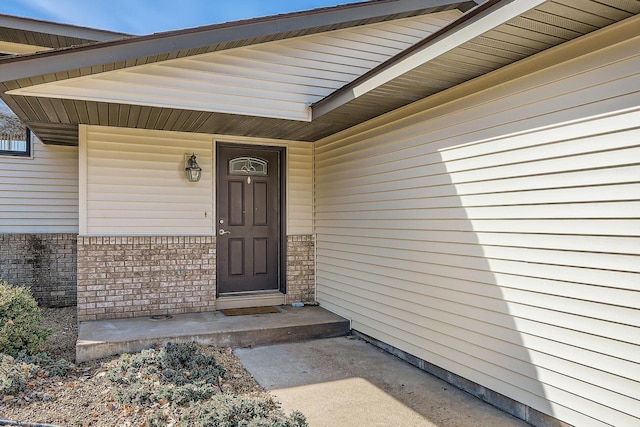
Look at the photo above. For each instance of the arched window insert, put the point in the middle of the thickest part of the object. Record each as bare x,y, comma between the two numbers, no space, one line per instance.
248,166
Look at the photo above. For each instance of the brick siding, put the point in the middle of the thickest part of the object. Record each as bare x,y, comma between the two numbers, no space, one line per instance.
44,262
300,269
122,277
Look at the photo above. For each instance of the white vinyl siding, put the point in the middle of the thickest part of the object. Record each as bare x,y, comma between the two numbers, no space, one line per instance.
136,185
498,236
39,194
299,188
278,79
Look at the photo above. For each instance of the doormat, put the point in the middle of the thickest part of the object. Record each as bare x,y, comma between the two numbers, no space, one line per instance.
249,310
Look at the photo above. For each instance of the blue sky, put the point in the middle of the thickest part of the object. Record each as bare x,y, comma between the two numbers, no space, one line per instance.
150,16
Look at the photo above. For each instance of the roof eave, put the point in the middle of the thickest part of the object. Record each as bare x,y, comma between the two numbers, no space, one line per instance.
58,29
469,25
59,60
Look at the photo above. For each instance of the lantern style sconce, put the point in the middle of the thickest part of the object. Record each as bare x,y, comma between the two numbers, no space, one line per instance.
193,170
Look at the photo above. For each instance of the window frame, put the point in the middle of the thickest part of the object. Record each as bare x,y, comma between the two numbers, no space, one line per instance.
28,149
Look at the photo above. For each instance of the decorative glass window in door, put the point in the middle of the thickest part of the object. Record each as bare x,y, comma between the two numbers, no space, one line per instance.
248,166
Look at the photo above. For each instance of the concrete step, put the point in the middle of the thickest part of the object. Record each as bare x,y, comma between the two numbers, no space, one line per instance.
102,338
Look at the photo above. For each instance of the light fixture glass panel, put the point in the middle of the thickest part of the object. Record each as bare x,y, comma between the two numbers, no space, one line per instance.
193,170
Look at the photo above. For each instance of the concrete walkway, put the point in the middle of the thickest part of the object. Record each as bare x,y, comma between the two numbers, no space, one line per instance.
347,382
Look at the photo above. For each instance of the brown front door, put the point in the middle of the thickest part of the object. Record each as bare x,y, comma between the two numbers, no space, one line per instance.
249,224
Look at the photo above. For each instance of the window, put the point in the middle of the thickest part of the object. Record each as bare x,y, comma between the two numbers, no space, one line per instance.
15,143
15,138
248,166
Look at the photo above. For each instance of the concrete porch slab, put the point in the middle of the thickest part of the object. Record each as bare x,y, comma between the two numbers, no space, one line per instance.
102,338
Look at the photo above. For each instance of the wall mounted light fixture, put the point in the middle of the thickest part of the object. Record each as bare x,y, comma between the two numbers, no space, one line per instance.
193,170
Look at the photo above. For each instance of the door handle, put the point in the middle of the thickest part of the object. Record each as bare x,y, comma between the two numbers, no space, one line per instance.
223,232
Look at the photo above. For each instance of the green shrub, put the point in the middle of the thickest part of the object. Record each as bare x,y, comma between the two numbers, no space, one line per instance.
177,373
14,374
20,317
45,365
237,411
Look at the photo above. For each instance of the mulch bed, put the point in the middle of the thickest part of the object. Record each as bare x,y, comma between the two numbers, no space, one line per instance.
84,396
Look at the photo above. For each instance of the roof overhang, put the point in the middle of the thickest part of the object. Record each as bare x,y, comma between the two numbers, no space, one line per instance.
471,25
179,43
20,36
12,48
487,37
57,29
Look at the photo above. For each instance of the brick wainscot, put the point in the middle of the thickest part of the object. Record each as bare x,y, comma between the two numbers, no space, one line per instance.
300,268
138,276
122,277
46,263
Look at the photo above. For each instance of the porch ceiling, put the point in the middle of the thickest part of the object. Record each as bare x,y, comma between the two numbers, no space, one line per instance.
546,24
